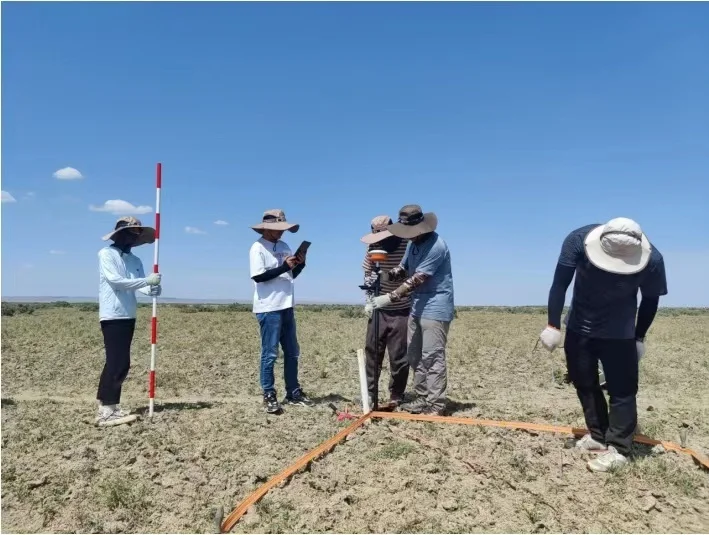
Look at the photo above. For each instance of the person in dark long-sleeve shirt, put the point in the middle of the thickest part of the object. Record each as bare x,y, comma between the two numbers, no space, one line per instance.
611,263
273,268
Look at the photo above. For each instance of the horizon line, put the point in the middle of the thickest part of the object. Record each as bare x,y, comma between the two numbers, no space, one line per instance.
207,301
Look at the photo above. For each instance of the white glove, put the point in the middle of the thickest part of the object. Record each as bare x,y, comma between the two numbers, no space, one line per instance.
153,279
381,301
155,291
369,308
640,346
550,338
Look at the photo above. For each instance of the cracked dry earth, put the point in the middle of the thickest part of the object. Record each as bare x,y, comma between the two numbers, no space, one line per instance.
210,444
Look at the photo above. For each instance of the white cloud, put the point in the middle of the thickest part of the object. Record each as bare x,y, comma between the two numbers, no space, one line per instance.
6,197
221,223
54,251
194,230
119,207
68,173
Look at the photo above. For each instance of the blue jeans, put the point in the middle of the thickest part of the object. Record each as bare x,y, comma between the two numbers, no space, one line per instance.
279,327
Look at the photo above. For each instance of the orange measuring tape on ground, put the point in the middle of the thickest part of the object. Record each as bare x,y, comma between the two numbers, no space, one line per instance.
231,520
329,444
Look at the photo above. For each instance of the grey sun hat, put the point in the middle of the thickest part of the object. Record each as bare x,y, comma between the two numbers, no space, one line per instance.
619,246
379,230
128,222
275,220
413,222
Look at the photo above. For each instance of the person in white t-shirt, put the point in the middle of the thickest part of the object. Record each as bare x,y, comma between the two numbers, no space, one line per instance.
273,268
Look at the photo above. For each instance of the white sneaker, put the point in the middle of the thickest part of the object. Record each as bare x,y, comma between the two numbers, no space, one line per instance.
608,461
589,444
109,415
123,413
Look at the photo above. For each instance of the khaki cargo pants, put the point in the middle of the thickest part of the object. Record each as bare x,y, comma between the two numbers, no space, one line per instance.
427,357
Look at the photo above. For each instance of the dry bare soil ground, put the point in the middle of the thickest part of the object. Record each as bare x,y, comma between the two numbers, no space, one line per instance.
210,444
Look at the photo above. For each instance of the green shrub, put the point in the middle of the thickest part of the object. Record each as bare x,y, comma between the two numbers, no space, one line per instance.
12,309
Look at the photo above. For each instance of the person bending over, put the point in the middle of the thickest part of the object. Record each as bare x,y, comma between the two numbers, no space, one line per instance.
611,263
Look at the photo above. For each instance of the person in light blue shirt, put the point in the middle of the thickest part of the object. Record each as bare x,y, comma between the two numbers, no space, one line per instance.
427,263
121,274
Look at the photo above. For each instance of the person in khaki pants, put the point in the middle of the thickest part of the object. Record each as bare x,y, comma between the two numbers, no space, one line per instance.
427,263
393,319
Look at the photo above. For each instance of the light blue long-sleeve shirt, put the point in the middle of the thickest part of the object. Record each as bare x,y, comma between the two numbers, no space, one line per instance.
120,275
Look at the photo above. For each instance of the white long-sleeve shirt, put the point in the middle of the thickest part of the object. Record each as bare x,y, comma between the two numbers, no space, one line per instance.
120,275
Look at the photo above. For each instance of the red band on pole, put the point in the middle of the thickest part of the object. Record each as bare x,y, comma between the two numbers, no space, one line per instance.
151,386
157,225
159,176
154,330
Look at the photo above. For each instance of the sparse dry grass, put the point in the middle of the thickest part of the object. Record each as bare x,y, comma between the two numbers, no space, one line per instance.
210,444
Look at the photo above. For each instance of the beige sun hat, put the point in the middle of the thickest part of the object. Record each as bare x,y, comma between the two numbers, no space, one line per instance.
275,220
379,230
619,246
147,234
413,222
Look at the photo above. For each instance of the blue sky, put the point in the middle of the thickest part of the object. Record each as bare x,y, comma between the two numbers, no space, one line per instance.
515,123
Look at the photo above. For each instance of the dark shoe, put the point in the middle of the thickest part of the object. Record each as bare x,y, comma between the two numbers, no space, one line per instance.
396,401
299,398
416,406
270,403
433,411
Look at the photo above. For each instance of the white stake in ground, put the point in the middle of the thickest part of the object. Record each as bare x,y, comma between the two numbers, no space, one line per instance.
154,321
364,391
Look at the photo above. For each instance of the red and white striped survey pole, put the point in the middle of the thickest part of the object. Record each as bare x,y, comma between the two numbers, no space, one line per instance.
154,322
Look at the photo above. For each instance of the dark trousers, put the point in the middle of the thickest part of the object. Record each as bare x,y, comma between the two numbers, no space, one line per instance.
620,365
392,337
117,339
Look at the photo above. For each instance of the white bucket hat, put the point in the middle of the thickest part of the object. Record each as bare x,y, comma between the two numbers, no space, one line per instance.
619,246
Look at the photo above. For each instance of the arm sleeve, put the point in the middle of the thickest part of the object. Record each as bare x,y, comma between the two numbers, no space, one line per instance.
557,294
271,273
115,273
654,283
646,315
572,251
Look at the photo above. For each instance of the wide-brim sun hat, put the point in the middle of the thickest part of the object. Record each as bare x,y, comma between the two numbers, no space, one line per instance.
275,220
146,236
619,246
379,230
413,222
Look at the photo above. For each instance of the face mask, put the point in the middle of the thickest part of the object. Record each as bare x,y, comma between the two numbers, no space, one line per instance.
125,240
389,244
